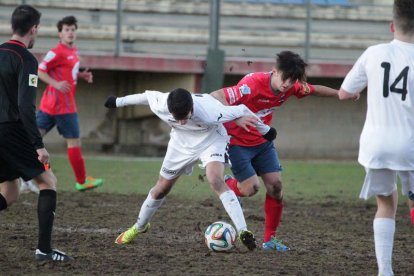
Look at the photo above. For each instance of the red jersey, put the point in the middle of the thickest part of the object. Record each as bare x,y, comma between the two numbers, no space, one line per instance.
61,63
254,91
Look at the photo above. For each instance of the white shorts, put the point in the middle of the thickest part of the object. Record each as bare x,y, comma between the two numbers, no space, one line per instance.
178,161
384,182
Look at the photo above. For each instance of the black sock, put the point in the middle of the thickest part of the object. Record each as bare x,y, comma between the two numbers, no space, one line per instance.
46,207
3,202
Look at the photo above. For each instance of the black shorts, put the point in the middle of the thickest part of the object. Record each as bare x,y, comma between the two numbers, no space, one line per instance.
18,158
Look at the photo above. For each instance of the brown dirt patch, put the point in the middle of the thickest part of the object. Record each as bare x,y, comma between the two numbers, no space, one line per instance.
327,239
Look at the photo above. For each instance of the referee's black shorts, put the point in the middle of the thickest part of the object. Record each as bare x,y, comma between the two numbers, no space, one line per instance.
18,158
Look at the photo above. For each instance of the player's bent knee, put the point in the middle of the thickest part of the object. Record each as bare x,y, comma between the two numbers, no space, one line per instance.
250,191
275,190
275,187
47,180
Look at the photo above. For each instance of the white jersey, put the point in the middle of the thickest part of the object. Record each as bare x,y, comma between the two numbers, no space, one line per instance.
205,124
387,139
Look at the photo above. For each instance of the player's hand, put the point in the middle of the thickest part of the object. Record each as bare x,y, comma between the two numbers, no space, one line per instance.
246,121
271,134
63,86
86,75
356,97
110,102
43,155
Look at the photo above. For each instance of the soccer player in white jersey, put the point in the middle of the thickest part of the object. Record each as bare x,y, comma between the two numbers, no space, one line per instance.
197,134
387,139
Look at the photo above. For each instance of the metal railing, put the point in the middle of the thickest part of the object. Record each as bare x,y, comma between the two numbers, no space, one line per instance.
327,32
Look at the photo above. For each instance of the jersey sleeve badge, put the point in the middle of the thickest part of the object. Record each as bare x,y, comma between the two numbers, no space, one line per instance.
244,89
33,80
305,90
49,56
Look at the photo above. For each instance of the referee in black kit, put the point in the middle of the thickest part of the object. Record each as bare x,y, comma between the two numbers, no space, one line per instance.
22,153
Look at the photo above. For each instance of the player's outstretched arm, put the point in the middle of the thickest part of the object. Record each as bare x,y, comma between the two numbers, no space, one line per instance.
135,99
324,91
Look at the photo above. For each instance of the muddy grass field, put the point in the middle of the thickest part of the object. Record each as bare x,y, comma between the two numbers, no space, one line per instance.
330,238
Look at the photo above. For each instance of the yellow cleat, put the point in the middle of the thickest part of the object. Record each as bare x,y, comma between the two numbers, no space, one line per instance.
90,183
130,234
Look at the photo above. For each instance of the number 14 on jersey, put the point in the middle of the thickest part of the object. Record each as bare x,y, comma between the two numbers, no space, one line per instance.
402,77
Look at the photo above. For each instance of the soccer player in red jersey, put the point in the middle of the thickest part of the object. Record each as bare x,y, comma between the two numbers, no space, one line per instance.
252,155
60,71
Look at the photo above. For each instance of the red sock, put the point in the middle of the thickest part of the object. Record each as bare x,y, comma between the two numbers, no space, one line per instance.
273,210
232,184
78,164
412,216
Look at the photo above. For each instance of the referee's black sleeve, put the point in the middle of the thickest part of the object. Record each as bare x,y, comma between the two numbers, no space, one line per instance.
26,100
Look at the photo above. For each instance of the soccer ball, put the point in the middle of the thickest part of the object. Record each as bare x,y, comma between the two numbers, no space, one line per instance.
220,236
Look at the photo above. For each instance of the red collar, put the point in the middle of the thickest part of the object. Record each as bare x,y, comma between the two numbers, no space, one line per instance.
16,42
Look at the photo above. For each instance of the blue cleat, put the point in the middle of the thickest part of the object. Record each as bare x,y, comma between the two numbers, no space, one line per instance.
275,245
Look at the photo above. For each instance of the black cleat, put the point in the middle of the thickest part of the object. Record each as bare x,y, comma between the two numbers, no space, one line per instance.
247,238
55,255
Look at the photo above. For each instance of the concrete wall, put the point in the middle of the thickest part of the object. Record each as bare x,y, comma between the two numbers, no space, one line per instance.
312,127
90,99
316,127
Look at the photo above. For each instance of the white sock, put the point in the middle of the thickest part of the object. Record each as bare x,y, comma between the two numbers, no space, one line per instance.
148,209
384,229
233,209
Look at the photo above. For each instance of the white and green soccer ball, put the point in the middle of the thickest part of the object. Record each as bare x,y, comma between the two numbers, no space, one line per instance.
220,236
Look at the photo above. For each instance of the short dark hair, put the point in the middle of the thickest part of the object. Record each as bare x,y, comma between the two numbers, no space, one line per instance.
291,66
67,20
403,12
24,17
180,103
